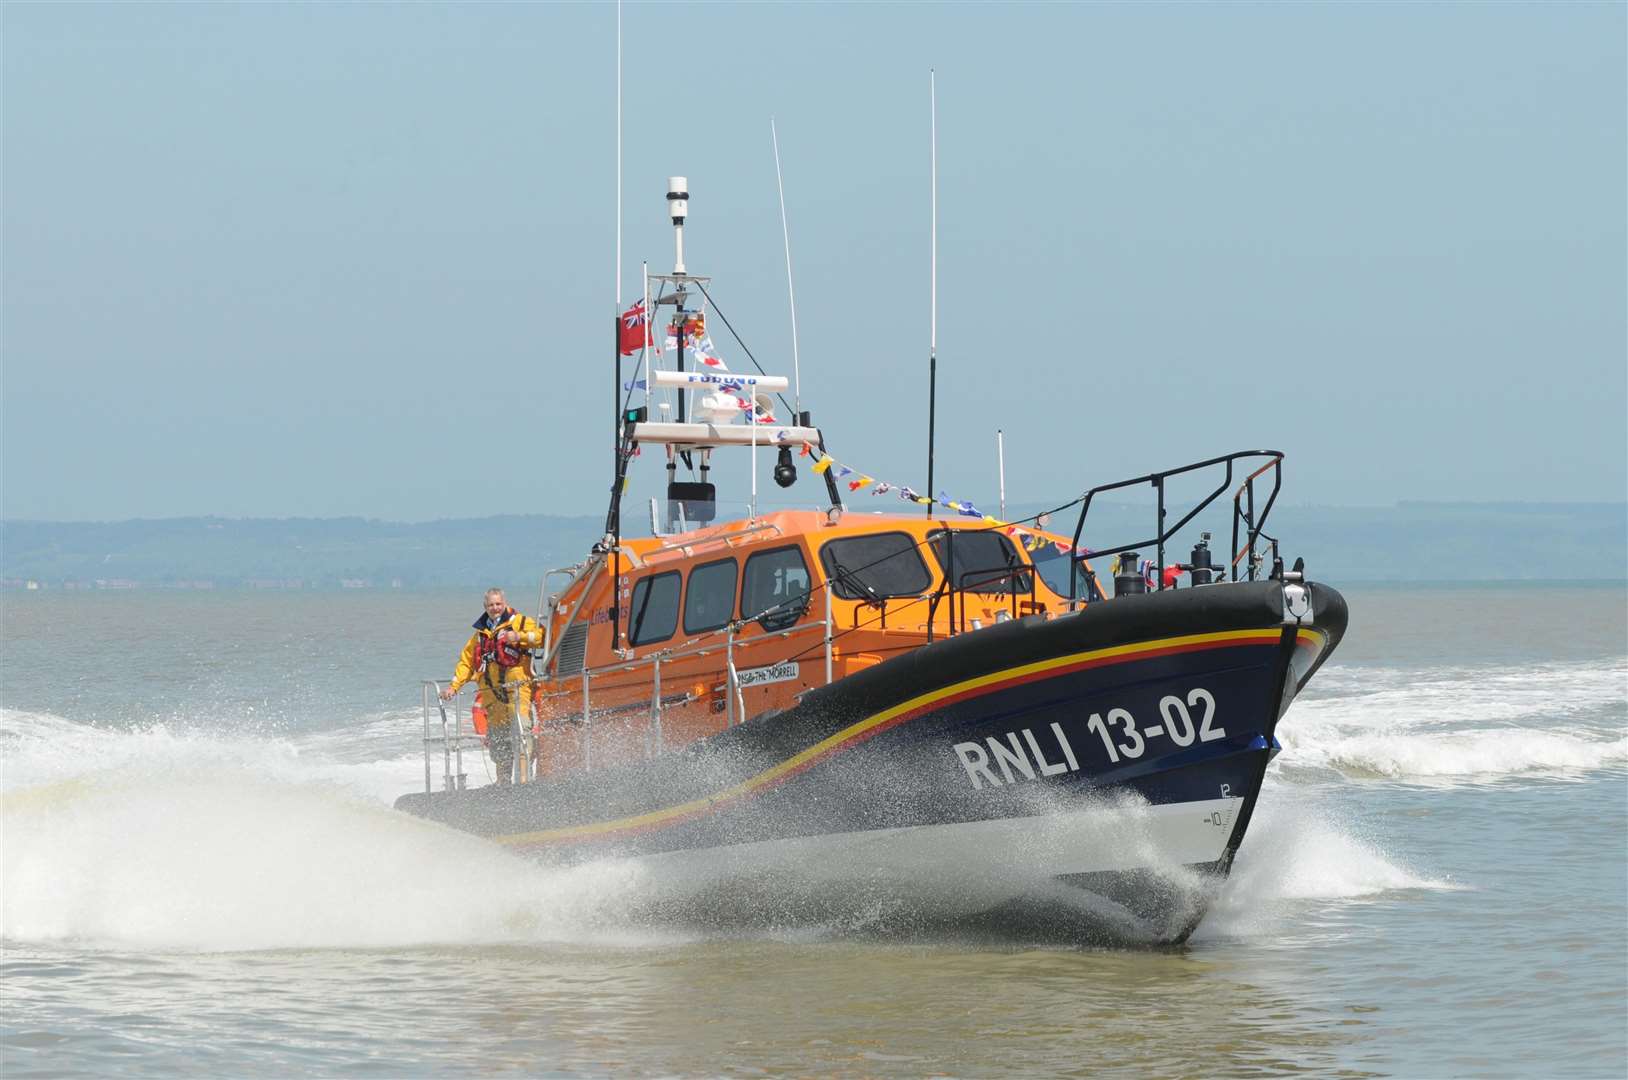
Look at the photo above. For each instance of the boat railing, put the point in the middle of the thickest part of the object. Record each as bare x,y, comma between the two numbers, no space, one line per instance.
1246,514
450,740
979,581
548,602
445,736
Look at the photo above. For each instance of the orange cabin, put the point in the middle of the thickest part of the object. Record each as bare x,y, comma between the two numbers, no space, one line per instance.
729,622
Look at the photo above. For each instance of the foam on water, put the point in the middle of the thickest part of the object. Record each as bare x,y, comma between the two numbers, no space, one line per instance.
1295,853
1461,723
39,748
234,861
153,839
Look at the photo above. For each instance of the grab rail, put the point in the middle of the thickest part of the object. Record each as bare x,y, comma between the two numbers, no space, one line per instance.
1162,533
452,741
969,581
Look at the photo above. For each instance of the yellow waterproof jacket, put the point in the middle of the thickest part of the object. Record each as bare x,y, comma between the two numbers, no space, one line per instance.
494,677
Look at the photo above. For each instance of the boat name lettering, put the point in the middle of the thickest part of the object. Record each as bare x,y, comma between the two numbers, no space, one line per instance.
1022,755
603,615
785,671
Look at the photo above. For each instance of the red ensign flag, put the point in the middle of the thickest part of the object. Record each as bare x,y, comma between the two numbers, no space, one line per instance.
635,330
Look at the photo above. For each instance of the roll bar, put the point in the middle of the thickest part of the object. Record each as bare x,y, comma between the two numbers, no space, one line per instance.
1241,513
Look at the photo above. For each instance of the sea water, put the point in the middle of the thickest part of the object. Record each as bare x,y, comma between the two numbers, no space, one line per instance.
202,876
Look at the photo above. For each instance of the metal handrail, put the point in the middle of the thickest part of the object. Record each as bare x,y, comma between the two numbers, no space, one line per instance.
452,742
1163,532
586,576
722,538
546,607
1248,487
735,702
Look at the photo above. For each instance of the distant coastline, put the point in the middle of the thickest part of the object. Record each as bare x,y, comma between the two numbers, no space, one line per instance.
1413,541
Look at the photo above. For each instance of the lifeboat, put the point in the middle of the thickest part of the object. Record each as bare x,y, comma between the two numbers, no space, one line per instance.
971,723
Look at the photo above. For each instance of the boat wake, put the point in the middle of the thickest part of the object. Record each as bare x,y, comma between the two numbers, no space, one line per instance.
1459,725
155,840
1297,854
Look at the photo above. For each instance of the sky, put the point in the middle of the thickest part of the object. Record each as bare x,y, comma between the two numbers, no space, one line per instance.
320,260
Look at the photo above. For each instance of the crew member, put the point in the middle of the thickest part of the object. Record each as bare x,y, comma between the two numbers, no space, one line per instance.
498,659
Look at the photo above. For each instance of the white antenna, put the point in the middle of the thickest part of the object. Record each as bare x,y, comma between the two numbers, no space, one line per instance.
618,157
785,234
1000,456
932,347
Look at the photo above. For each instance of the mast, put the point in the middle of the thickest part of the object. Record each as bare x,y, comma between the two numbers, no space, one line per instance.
618,463
717,407
616,383
678,207
1000,458
932,346
791,295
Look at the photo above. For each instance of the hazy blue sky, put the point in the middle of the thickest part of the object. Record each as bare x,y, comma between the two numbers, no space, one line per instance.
357,259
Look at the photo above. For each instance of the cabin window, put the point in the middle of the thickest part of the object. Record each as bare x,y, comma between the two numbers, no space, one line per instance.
775,588
1053,565
875,567
709,601
983,561
653,614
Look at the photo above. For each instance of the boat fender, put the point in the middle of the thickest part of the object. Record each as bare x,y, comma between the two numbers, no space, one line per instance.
477,716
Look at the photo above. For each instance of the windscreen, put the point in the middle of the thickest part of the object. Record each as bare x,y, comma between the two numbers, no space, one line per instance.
984,561
875,567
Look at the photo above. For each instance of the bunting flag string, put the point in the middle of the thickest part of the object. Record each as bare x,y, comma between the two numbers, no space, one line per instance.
1033,540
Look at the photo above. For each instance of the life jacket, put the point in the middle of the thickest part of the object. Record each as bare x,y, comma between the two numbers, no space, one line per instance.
494,657
489,650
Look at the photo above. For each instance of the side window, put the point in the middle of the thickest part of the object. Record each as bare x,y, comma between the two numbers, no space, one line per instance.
709,602
985,562
653,613
775,588
1054,566
875,567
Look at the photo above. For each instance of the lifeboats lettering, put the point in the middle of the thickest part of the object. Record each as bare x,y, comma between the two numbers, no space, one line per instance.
1023,755
1009,754
785,671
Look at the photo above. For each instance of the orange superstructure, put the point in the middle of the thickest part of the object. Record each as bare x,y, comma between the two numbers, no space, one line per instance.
737,620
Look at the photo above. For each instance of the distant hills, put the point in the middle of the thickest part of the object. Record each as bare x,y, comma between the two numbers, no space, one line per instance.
1407,542
291,553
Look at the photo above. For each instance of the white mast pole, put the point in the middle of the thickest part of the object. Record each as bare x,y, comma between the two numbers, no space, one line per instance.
791,295
618,157
1000,455
932,346
649,329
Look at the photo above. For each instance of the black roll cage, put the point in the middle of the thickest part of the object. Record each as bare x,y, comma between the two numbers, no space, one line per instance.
1243,512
